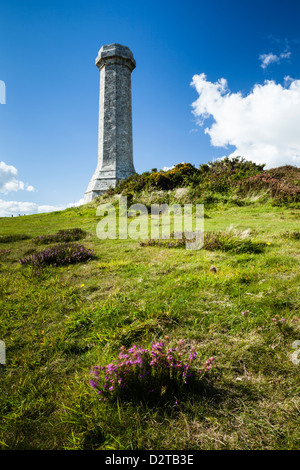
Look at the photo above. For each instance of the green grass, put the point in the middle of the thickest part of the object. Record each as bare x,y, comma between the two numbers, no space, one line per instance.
56,326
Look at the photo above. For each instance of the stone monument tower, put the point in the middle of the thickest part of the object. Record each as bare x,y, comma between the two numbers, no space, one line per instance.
115,157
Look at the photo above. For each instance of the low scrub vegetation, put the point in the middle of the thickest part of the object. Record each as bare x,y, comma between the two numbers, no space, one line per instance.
227,180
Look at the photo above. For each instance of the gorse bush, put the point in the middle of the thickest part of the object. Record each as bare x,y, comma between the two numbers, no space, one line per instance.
147,373
58,255
67,235
179,176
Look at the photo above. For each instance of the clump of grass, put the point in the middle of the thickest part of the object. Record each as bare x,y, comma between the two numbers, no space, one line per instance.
224,241
165,243
58,255
13,237
140,373
67,235
4,252
291,235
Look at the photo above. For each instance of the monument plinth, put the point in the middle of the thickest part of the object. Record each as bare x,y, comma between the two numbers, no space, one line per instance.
115,154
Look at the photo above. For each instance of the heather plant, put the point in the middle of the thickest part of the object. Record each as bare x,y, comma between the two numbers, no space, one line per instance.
67,235
282,183
58,255
148,373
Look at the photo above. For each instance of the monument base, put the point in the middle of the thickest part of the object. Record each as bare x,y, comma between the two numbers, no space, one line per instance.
89,196
104,180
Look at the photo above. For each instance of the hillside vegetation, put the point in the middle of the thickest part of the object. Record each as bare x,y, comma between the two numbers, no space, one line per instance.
70,301
234,180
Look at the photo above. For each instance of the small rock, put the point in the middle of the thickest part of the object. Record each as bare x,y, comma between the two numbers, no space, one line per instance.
213,269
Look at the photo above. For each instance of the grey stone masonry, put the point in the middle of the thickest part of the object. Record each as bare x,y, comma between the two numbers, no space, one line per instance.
115,155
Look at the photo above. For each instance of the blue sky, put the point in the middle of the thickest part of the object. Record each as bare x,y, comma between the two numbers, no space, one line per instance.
48,124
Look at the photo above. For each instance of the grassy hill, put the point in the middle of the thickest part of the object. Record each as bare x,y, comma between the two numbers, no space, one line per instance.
58,322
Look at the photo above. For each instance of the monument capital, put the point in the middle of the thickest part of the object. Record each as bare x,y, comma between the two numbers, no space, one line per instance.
116,54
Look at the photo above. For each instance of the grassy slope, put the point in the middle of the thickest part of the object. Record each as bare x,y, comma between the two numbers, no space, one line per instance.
56,327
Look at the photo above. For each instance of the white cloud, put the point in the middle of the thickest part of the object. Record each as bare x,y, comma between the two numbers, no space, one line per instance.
263,126
267,59
9,181
168,168
9,208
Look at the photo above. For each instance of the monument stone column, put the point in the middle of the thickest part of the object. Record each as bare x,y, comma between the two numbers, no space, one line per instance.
115,154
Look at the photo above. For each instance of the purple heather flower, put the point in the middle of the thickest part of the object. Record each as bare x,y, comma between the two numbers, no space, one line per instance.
93,384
